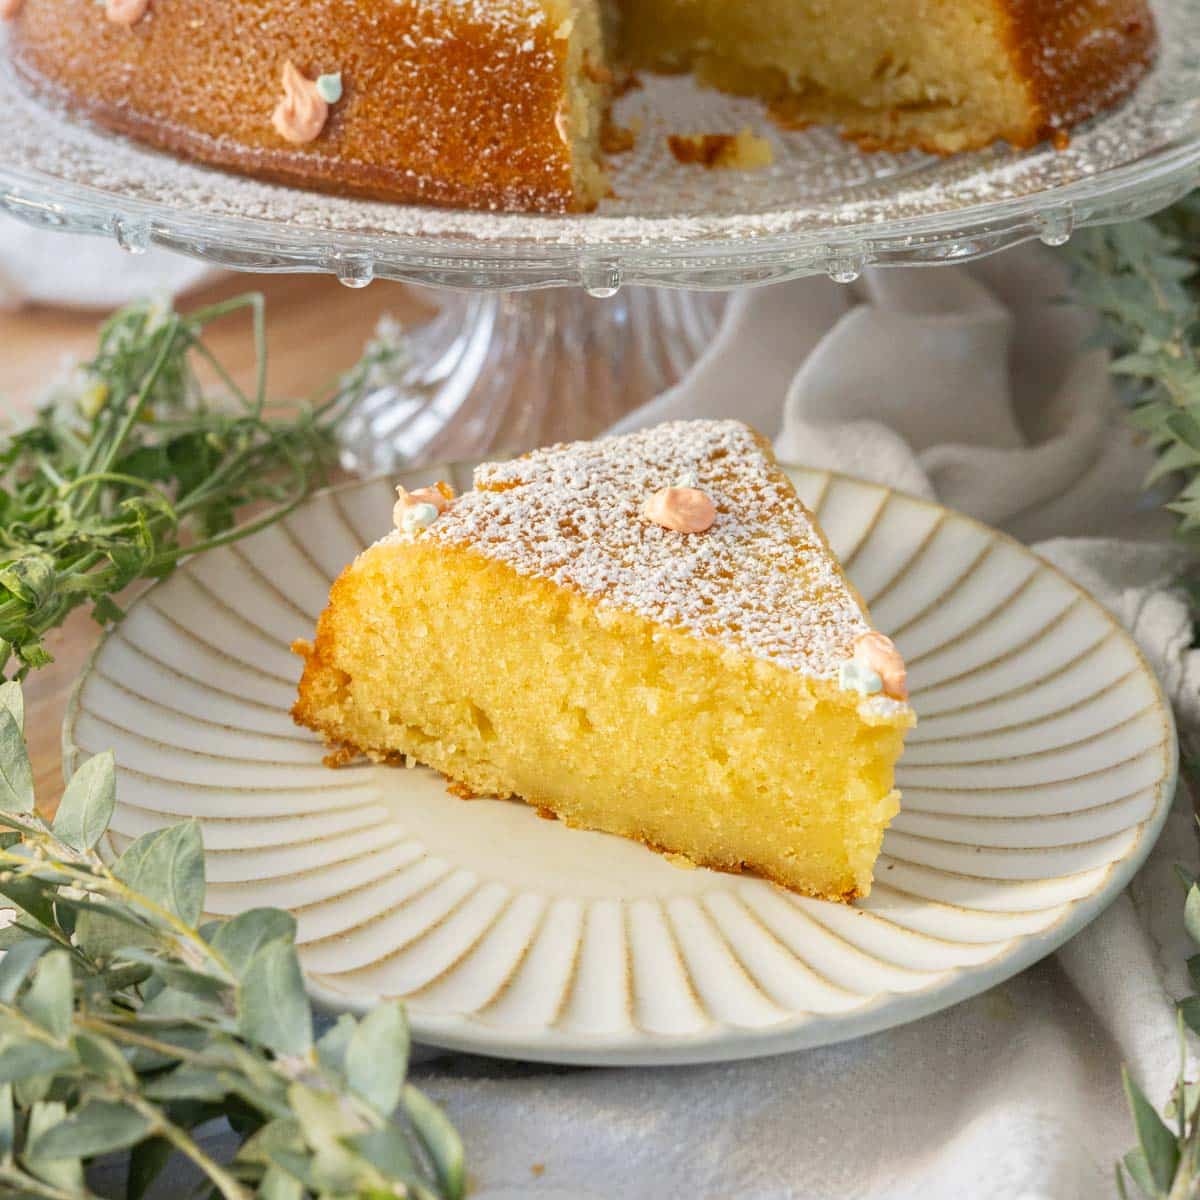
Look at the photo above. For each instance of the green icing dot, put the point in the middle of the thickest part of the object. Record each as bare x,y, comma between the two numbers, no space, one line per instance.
329,88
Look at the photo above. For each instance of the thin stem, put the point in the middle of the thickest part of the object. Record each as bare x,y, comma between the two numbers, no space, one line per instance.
224,1182
47,469
256,302
277,513
115,477
119,1033
99,879
222,373
1181,1099
135,409
1184,1185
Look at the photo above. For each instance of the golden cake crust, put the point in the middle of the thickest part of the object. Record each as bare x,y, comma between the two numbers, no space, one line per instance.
450,103
1079,56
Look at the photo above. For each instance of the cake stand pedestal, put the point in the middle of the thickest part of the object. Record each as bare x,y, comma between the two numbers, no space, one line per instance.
511,370
506,365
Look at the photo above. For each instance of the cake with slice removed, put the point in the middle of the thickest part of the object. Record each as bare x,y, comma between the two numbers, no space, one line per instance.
646,635
503,104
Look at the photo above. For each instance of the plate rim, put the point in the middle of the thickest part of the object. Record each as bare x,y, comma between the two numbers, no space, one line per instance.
722,1042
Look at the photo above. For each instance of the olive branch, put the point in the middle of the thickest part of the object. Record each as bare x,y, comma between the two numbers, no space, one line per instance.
125,1023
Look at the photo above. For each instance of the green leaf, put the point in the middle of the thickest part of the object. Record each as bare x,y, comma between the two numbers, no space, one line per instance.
50,998
338,1171
32,896
102,1058
16,933
441,1142
1191,913
1156,1141
87,805
30,578
1193,966
332,1045
13,698
298,1167
323,1118
192,1083
1139,1172
23,1060
16,965
185,1006
146,1163
387,1152
377,1058
66,1173
273,1006
275,1185
1189,1009
99,1127
325,1121
184,1038
284,1133
167,867
186,979
32,1090
102,927
16,775
240,939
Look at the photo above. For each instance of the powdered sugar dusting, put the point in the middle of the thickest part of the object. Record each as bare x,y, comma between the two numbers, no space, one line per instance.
760,580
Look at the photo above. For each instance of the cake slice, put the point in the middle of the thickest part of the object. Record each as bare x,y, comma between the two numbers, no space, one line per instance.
645,635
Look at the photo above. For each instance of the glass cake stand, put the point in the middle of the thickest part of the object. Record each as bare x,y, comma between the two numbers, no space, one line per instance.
510,362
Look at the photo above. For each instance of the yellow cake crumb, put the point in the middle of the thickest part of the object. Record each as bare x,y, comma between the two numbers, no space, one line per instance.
742,151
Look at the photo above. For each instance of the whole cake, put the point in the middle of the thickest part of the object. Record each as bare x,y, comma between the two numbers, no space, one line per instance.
645,635
503,103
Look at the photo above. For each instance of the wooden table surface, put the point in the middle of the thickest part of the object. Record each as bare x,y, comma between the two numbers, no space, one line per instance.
315,328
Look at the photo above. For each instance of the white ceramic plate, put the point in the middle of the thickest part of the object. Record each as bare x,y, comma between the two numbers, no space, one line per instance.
1034,786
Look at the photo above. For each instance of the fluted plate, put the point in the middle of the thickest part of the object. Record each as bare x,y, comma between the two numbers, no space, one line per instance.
1034,786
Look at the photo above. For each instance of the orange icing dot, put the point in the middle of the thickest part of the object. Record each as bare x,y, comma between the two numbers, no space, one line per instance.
9,9
683,509
880,654
440,496
126,12
301,115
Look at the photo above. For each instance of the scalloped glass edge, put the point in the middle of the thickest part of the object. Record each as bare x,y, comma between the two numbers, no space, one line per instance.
583,252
